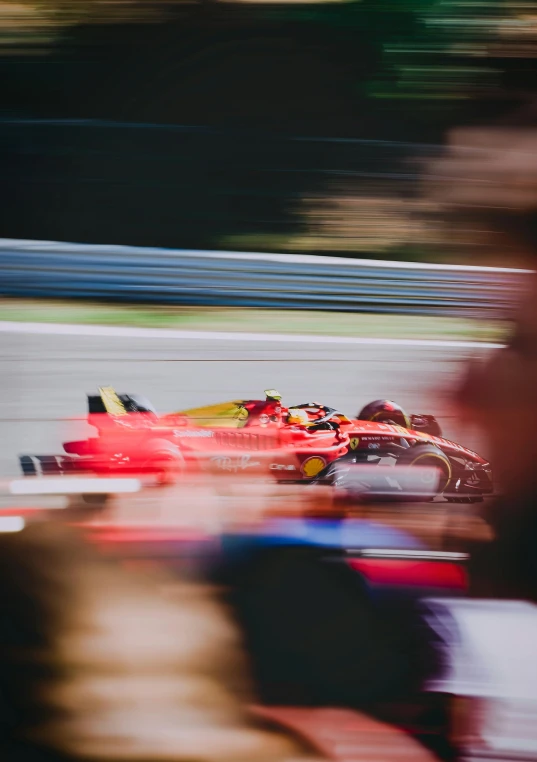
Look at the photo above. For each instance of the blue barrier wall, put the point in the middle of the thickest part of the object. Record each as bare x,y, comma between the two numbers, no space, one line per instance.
124,273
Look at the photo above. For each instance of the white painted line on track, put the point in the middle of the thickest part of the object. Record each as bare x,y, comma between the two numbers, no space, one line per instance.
12,523
62,329
72,486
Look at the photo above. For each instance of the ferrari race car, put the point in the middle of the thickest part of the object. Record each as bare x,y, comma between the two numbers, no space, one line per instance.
309,442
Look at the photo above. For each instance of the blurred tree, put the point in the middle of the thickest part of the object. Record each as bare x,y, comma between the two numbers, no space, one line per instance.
256,73
410,68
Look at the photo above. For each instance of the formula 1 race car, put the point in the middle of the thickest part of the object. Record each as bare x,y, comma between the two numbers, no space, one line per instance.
309,442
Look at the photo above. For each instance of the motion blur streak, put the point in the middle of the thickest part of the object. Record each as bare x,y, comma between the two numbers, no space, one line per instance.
131,673
49,329
300,201
413,573
11,524
66,485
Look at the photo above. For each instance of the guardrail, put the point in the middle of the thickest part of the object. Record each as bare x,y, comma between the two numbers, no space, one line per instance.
128,273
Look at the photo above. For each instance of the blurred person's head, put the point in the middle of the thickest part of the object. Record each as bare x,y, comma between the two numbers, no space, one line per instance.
97,663
487,182
100,665
489,176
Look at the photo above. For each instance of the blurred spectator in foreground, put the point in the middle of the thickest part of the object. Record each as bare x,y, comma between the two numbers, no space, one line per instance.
97,663
490,176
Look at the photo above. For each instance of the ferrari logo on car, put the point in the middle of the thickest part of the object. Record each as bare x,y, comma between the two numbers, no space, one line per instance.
312,466
353,444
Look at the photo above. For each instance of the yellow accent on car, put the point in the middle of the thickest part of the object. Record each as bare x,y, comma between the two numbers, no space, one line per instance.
380,413
112,403
242,414
273,394
298,417
353,444
446,462
312,466
228,415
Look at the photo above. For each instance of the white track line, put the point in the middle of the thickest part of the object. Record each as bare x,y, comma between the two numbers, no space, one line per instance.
61,329
12,523
72,485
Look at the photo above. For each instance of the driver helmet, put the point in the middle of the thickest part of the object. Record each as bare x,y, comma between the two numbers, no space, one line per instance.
298,417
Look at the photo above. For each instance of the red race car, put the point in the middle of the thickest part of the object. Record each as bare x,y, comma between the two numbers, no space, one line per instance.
309,442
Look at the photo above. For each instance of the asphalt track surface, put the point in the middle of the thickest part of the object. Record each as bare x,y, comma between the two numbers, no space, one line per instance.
45,378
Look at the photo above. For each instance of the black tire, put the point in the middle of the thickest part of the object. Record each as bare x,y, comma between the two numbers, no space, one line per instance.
164,461
428,455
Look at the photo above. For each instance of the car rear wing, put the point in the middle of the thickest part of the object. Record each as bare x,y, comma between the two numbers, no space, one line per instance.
109,402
